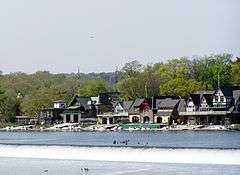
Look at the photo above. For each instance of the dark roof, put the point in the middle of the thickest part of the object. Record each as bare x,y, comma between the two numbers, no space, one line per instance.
228,90
127,105
167,103
104,98
198,96
81,101
209,98
196,99
107,97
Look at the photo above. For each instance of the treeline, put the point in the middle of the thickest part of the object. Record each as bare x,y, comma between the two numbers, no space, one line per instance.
27,94
179,77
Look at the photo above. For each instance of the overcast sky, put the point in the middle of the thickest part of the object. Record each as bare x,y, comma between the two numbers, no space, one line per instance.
98,35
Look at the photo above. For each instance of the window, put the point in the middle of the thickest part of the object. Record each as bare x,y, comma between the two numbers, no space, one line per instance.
104,121
146,119
75,118
221,99
110,120
67,118
216,98
159,119
135,119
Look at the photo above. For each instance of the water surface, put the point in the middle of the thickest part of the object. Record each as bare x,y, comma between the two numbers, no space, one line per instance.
173,139
147,153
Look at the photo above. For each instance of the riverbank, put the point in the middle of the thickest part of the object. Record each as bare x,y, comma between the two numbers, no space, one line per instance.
116,127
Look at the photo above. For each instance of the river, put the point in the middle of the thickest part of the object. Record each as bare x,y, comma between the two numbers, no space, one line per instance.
160,152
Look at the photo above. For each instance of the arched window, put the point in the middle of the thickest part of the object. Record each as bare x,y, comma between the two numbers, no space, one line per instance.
146,119
135,119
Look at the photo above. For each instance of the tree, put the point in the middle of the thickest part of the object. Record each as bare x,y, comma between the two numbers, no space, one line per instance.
132,68
8,106
43,98
180,87
132,87
236,73
175,68
92,88
213,69
152,81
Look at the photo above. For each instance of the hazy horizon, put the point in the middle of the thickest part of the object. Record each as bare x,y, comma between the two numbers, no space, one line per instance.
98,36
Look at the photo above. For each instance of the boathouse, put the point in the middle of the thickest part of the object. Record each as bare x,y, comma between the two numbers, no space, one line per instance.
81,110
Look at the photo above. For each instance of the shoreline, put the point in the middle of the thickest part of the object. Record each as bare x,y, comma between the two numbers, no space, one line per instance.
70,127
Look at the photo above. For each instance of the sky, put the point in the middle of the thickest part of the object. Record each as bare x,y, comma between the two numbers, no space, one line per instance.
102,35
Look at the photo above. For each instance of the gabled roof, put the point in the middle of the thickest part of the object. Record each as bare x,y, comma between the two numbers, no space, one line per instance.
156,98
138,102
196,99
167,103
199,95
209,98
182,106
136,105
81,101
127,105
107,97
228,90
115,103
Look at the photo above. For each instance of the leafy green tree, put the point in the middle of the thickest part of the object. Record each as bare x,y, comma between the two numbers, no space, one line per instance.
18,82
175,68
43,98
8,106
213,69
236,73
152,81
180,87
132,87
92,88
132,68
